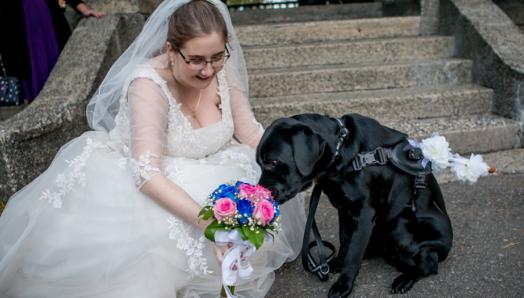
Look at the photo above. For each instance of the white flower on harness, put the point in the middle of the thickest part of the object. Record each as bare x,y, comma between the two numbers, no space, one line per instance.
436,149
469,169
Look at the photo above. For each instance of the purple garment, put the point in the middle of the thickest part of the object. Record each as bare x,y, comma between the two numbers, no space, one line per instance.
43,47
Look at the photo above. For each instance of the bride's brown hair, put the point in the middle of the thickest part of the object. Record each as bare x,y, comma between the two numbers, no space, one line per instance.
195,19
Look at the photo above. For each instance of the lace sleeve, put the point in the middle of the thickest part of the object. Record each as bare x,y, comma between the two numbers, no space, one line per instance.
148,114
247,129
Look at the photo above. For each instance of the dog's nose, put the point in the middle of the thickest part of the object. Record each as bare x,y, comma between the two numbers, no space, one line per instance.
275,193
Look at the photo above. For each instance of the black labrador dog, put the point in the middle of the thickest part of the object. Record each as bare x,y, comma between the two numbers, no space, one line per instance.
374,204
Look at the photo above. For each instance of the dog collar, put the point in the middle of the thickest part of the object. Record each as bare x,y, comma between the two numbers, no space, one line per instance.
342,136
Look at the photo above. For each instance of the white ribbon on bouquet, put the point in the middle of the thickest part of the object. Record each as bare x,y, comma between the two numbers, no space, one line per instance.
235,264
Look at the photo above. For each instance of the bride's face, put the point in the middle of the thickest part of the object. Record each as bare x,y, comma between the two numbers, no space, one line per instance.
197,62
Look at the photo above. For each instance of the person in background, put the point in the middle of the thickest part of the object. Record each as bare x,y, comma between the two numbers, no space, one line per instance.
61,27
35,32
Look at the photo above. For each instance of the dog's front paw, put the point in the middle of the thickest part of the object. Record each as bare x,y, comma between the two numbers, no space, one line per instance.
341,288
403,283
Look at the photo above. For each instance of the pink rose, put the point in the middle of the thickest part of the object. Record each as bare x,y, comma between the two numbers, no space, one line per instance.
223,208
264,212
246,190
262,192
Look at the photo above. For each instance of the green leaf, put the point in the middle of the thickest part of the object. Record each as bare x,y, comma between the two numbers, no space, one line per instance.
206,213
212,228
256,238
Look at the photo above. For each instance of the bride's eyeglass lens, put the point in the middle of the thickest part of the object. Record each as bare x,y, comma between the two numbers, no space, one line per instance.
199,62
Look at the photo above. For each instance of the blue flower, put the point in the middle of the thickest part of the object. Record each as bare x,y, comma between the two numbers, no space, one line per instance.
225,191
245,209
277,210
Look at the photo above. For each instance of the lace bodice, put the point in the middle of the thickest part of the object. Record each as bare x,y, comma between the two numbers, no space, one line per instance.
182,139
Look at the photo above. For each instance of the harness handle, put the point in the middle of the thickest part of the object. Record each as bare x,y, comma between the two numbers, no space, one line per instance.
320,267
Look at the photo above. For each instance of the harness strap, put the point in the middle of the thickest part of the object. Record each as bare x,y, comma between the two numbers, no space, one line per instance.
320,267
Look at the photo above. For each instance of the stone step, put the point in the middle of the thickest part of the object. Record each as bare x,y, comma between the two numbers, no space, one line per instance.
379,50
469,133
505,162
352,77
298,33
307,13
466,134
386,104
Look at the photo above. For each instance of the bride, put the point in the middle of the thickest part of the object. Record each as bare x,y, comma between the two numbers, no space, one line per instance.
115,215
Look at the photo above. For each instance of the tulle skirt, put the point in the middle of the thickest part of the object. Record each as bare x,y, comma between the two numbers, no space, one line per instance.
83,229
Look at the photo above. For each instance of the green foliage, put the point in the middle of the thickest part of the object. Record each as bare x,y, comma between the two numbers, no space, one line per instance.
255,236
212,228
206,213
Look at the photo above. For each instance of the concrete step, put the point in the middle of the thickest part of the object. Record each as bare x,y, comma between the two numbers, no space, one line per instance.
298,33
351,77
505,162
378,50
386,104
308,13
470,133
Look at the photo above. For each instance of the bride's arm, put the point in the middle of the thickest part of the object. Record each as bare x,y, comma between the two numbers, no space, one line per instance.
148,113
247,129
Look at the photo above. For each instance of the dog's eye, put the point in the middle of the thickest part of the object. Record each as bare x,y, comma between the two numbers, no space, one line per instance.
272,163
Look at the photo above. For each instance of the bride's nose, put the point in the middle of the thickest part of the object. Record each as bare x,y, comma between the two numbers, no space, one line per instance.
207,70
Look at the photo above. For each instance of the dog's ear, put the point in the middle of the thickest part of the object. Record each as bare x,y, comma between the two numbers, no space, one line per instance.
308,148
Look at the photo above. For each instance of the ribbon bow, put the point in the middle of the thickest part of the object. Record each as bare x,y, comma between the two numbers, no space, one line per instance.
235,264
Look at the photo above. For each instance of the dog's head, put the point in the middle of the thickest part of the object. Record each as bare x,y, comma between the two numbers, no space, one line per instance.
294,151
287,154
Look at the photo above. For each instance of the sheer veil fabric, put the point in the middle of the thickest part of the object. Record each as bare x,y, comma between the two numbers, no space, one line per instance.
103,107
83,228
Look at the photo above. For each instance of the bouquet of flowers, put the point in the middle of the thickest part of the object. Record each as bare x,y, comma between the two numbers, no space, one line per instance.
245,215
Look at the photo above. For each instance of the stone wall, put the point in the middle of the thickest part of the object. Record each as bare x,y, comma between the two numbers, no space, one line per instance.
30,139
486,35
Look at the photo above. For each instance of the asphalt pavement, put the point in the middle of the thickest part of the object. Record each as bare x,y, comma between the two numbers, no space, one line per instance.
487,258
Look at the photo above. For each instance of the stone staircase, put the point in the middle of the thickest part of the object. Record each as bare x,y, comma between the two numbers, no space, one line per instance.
379,67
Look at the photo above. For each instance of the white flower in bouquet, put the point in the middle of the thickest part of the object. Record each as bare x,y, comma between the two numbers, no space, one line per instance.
437,150
469,169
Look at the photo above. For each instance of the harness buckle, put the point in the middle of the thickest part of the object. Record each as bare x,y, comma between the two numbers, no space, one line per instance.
378,156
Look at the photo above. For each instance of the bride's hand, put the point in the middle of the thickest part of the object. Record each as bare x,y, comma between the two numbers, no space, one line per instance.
221,250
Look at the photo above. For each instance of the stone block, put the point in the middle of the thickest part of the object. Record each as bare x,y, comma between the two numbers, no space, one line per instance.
484,34
30,139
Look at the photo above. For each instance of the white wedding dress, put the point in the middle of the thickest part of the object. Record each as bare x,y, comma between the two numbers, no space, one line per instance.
84,229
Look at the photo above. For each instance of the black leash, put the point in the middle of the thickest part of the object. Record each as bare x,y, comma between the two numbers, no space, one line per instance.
318,266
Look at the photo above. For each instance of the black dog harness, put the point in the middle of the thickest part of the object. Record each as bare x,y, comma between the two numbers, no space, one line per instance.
403,156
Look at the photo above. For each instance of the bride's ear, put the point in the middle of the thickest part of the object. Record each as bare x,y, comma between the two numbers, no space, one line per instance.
168,47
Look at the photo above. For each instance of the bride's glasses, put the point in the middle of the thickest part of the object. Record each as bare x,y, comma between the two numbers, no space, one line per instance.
199,62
